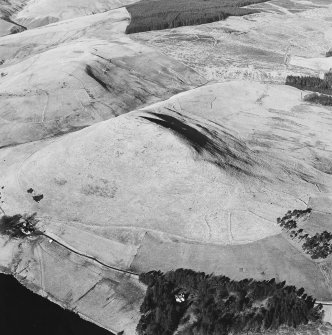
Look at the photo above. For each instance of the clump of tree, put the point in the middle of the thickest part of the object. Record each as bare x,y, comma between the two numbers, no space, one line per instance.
321,99
217,305
309,83
329,53
149,15
289,221
318,246
19,226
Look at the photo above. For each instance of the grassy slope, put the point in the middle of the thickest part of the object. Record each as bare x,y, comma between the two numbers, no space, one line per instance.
52,86
133,174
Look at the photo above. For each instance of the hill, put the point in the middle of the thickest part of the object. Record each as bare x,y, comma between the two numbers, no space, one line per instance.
51,84
161,150
140,186
32,14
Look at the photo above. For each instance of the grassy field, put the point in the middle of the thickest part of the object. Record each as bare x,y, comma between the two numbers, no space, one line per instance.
149,15
272,257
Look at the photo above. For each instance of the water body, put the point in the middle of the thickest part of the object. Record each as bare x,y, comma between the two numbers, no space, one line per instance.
23,312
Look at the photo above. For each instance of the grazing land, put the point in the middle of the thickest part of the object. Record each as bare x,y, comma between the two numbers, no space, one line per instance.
159,15
166,149
66,84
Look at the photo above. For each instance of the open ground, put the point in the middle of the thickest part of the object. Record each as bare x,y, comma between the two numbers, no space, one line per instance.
145,165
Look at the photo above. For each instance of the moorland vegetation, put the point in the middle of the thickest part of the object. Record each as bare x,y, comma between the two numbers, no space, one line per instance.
149,15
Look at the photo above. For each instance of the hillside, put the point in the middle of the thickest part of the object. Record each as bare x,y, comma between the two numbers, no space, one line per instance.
160,150
217,200
266,47
32,14
53,84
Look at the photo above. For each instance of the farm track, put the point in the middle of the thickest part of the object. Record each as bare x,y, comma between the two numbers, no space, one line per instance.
42,275
65,245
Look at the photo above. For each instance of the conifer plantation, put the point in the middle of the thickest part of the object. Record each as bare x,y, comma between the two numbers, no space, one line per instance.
309,83
216,305
149,15
321,99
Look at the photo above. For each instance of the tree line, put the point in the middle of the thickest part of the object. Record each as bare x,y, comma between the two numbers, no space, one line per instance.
216,305
321,99
166,14
310,83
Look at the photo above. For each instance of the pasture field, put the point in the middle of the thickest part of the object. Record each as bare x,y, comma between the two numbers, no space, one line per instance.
272,257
